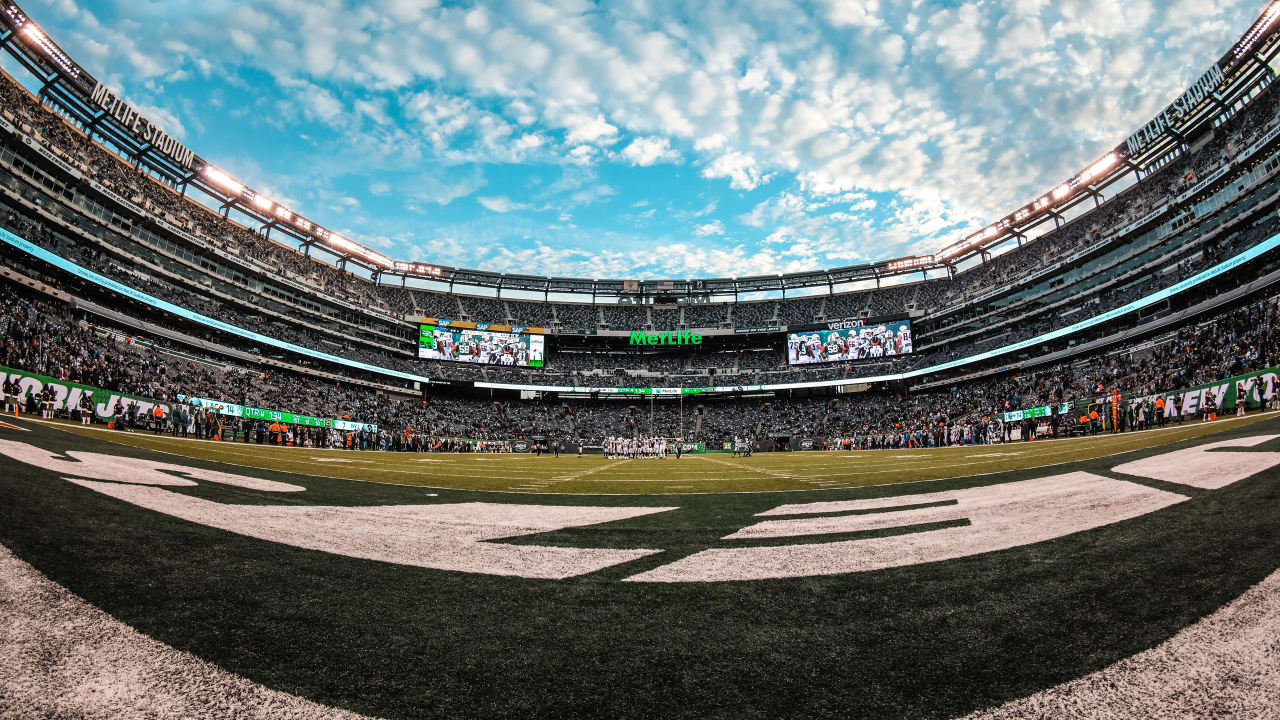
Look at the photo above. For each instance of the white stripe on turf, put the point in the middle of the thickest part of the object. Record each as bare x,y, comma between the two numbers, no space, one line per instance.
1227,665
61,657
1000,517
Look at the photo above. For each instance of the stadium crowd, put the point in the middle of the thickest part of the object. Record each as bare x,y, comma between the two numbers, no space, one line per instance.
43,337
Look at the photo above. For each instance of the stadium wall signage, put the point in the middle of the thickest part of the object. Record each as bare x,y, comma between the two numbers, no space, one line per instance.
49,155
1179,109
668,337
141,127
253,413
1259,387
1035,412
67,394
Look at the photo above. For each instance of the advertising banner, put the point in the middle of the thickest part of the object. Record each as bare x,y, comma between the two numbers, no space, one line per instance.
270,416
1064,410
1258,387
67,395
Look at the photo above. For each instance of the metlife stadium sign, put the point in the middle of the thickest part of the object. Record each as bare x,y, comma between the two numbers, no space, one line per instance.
1177,111
143,128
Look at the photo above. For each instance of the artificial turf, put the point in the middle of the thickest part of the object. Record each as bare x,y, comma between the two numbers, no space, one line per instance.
711,473
933,640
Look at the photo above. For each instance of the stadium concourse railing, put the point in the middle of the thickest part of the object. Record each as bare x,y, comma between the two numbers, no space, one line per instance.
1204,276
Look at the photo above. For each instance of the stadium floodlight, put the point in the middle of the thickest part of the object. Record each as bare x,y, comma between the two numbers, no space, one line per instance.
262,201
218,177
1268,16
37,36
283,213
1099,167
301,223
338,241
1061,191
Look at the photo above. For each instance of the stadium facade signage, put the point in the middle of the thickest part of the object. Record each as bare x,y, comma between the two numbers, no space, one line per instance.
1177,110
8,126
1259,387
667,337
120,199
845,324
67,395
1200,186
141,127
49,155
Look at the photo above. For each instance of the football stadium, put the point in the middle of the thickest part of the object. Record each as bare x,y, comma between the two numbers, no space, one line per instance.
263,460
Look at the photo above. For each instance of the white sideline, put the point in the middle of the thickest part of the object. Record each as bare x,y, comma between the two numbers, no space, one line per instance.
61,657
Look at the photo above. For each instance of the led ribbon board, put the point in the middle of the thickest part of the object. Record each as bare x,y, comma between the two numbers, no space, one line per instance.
253,413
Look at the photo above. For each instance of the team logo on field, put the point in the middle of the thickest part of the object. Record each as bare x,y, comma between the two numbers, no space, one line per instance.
792,540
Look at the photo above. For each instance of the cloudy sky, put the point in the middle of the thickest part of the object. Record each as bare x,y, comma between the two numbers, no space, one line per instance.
639,138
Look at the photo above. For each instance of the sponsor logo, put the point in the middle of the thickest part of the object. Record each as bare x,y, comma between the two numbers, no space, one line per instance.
468,536
668,337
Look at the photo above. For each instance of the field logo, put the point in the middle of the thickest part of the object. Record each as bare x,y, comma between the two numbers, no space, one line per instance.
467,537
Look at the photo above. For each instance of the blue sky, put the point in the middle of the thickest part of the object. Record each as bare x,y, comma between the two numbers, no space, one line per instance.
643,138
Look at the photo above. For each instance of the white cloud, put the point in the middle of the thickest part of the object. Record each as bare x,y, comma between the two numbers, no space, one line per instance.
647,151
501,204
715,227
742,171
589,129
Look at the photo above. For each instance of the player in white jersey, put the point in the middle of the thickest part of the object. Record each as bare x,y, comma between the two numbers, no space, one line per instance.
793,348
812,349
877,350
486,349
445,347
522,355
904,339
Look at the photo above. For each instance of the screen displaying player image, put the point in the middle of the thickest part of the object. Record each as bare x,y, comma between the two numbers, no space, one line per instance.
858,343
480,346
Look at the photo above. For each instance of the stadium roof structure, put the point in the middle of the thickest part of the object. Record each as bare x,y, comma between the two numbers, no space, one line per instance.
1215,94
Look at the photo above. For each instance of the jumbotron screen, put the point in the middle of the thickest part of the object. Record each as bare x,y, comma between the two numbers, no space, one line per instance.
855,343
480,346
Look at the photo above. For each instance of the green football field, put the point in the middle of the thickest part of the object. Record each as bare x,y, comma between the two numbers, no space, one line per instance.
152,577
710,473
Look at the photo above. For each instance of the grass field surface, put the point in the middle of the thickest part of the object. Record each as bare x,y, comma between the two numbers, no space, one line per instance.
1021,577
711,473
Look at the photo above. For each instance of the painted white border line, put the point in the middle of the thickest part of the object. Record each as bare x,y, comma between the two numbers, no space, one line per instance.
1227,665
61,657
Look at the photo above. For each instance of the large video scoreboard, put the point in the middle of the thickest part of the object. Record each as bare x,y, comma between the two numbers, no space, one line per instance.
837,343
484,347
